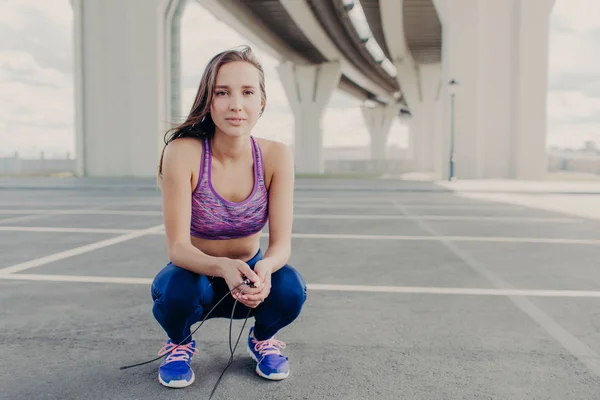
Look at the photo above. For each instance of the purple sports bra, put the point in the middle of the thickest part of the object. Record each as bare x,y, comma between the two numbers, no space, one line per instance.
215,218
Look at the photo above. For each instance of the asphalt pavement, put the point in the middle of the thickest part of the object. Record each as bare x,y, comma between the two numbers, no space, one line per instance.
415,292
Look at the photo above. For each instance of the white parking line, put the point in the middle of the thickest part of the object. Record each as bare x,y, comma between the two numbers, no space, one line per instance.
456,291
42,229
436,218
384,201
81,212
333,236
78,250
419,206
576,347
38,212
23,218
445,238
331,287
350,201
75,278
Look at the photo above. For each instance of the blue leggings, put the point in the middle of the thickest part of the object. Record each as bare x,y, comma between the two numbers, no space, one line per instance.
182,298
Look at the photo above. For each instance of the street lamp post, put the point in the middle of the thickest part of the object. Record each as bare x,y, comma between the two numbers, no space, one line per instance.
452,88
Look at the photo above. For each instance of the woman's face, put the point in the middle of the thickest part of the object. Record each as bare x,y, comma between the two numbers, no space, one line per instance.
237,99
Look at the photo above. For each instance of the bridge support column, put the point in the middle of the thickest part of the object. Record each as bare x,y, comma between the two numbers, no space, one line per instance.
425,135
308,89
378,120
126,83
497,50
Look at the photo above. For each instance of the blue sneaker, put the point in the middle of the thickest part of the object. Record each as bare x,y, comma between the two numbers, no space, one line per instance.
175,370
271,364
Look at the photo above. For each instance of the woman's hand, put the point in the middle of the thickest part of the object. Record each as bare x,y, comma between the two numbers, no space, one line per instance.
234,272
253,299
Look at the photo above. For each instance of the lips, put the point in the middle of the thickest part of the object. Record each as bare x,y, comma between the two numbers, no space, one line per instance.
235,121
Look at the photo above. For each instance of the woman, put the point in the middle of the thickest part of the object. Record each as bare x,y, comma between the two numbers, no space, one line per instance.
220,186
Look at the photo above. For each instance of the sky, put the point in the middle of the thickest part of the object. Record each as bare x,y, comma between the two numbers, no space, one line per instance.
37,98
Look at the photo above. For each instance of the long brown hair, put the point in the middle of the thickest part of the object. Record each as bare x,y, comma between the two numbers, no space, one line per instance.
199,123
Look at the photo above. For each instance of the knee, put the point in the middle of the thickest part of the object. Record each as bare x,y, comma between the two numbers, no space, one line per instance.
289,288
174,287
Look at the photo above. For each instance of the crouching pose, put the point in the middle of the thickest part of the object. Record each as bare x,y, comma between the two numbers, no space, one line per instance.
220,186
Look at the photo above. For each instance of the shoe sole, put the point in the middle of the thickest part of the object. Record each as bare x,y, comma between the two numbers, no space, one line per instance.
272,377
177,384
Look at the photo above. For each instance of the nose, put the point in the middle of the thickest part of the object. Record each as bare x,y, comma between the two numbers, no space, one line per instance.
235,104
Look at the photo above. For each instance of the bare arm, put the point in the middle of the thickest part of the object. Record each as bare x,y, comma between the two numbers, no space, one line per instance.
281,208
176,197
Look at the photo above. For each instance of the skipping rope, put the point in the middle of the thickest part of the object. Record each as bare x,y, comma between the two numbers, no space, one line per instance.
246,281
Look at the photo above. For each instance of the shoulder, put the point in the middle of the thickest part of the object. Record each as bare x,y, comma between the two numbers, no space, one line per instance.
182,154
274,152
277,157
183,147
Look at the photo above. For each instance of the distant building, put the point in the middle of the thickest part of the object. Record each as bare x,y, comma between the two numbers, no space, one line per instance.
591,147
585,159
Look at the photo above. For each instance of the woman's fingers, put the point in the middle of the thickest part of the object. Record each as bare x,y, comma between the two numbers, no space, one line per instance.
253,297
257,297
248,303
244,297
249,294
244,293
247,290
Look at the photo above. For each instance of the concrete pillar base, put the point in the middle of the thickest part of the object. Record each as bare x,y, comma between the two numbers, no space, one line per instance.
378,120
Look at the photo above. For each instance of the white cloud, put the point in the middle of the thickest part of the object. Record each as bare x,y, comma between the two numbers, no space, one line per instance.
574,74
579,15
573,53
16,13
345,127
36,106
36,101
571,105
398,136
42,29
572,135
21,66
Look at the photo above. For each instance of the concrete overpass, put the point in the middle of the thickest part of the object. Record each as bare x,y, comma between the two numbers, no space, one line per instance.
395,55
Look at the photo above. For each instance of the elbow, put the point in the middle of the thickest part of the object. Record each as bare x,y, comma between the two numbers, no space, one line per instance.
176,252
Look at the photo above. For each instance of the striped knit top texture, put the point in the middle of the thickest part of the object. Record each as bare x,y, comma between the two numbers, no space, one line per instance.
216,218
